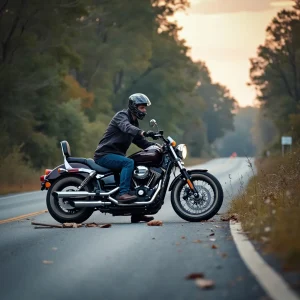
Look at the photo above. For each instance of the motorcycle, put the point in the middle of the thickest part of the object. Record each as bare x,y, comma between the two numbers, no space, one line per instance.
79,187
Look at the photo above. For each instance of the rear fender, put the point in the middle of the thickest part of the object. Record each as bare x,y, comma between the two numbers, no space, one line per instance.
180,176
54,174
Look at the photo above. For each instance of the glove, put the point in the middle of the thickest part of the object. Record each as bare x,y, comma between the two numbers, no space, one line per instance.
150,134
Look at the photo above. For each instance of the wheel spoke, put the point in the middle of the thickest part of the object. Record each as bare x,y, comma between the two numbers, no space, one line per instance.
197,206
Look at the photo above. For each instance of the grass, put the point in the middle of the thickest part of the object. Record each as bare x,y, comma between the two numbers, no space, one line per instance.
17,176
269,208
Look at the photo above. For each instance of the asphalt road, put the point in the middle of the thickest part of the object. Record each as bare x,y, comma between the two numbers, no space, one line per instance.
125,261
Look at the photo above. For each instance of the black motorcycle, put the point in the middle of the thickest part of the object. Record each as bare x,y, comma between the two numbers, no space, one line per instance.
80,186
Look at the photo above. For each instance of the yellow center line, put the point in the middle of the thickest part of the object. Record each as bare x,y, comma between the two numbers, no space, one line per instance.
23,216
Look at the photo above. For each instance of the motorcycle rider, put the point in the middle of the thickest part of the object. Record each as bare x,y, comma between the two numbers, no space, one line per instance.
123,130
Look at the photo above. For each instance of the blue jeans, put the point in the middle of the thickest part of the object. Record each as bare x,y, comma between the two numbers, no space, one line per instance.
114,161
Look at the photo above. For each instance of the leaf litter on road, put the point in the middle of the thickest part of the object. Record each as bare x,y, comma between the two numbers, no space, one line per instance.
197,241
71,225
155,223
200,281
204,283
194,276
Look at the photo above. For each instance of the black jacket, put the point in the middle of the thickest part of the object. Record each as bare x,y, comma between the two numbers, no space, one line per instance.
121,132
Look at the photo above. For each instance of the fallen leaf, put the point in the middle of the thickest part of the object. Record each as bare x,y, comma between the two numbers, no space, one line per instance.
194,276
177,244
155,223
204,283
233,217
183,237
105,226
91,225
213,246
47,262
212,234
197,241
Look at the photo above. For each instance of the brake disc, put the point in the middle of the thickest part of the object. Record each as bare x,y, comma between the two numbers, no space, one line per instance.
203,200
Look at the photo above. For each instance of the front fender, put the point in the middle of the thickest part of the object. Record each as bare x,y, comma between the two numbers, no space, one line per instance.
179,177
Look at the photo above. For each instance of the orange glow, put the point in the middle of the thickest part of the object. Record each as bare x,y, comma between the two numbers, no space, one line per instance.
226,40
47,184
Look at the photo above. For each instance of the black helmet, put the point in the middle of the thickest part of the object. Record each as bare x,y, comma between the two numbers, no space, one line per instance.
134,101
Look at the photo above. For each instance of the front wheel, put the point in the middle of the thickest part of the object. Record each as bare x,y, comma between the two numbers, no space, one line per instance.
60,209
203,208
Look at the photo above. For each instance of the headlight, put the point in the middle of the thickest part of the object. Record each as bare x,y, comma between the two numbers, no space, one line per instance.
182,151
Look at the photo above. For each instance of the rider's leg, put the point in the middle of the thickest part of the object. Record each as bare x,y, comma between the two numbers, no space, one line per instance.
114,161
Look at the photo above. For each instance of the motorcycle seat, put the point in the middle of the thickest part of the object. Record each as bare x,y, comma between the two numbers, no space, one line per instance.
89,162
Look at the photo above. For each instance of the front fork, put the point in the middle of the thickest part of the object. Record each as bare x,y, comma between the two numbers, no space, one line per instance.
187,178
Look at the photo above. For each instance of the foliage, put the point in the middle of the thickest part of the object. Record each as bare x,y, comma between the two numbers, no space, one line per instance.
269,207
64,79
275,71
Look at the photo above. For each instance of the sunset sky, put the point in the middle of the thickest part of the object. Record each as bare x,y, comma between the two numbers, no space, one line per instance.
225,34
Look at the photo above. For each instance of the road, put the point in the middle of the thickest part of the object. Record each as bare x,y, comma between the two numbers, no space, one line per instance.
125,261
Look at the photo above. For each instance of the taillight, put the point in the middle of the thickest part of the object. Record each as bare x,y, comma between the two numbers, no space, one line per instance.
48,171
42,178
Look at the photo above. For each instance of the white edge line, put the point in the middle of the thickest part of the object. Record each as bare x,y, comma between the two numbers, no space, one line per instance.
18,195
271,281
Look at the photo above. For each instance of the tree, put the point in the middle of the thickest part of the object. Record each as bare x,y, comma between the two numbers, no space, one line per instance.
275,72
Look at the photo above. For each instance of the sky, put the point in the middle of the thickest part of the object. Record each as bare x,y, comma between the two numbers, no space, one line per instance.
226,34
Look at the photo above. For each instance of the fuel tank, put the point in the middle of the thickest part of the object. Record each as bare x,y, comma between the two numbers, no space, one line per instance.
151,156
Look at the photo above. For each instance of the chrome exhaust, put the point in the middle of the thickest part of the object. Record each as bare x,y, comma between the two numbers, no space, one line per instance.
89,203
82,194
138,203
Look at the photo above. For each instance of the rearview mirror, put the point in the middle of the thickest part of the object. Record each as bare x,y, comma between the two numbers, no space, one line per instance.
152,123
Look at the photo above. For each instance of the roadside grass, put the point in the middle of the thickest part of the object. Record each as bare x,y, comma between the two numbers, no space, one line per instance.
16,176
269,207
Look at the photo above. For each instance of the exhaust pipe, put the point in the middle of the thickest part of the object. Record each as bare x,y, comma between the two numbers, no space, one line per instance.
138,203
82,194
89,203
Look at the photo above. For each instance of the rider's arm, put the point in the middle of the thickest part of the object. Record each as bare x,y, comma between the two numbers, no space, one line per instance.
141,142
121,121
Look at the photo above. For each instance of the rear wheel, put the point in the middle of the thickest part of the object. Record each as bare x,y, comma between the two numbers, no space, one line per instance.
203,208
60,209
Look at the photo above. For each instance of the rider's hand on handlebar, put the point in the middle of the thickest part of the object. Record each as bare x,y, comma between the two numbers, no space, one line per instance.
150,134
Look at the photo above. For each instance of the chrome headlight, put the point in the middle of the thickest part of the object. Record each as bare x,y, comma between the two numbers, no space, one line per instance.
182,151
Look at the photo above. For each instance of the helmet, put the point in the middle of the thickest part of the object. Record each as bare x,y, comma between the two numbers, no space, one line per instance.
134,101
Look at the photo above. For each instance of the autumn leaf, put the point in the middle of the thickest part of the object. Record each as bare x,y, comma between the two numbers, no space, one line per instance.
183,237
105,226
213,246
155,223
91,225
204,283
233,217
197,241
194,276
